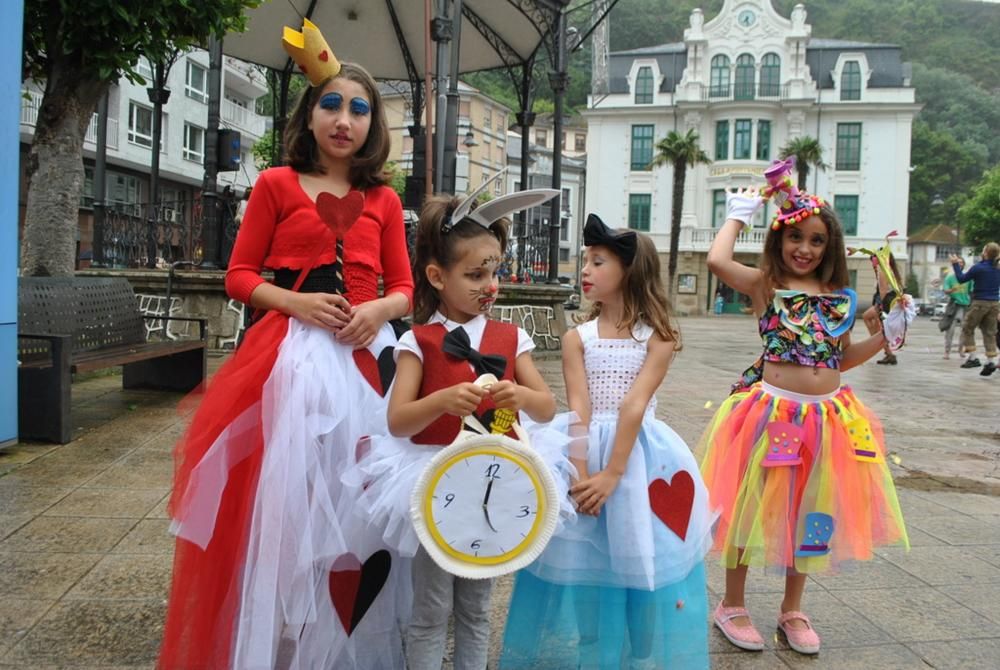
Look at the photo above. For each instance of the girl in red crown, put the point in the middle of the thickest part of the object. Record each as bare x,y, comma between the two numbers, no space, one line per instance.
459,249
795,463
267,571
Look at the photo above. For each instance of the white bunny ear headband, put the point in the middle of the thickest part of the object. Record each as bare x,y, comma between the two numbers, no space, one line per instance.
498,208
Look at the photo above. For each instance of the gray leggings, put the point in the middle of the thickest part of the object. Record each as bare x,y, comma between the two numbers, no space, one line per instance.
436,594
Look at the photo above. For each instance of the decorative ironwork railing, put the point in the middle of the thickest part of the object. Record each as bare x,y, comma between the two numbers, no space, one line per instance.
142,235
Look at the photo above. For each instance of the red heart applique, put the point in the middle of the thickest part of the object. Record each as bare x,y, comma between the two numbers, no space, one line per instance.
324,56
672,502
353,586
340,213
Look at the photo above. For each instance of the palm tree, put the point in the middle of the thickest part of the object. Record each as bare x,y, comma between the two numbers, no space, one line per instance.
678,151
807,151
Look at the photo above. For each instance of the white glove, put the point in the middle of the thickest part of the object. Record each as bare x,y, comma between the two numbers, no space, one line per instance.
741,205
900,316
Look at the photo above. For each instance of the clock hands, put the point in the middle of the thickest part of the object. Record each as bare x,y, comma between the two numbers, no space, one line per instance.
486,500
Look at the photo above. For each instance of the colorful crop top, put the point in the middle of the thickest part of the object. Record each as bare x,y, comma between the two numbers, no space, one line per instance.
803,329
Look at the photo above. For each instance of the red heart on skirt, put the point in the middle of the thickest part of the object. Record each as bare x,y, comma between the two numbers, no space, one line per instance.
340,213
324,56
353,586
672,502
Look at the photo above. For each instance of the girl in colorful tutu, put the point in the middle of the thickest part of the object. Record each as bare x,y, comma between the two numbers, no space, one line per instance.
458,253
623,587
793,460
266,569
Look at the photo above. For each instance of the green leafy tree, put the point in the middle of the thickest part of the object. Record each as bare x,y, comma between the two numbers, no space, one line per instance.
678,151
397,178
264,149
942,166
807,151
980,215
79,48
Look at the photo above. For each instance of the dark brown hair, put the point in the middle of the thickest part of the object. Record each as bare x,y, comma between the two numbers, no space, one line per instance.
644,297
367,165
832,270
435,246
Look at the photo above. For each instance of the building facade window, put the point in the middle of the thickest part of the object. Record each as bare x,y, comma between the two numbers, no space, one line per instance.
745,75
196,82
763,140
140,125
721,140
563,255
541,138
848,146
719,82
487,120
638,211
642,147
144,69
123,193
742,137
644,86
770,75
850,81
718,207
847,210
194,143
580,142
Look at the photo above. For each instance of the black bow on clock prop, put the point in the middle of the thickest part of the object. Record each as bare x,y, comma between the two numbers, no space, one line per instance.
622,243
456,343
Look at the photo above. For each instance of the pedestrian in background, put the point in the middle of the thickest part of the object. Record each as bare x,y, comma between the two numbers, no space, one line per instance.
958,302
985,306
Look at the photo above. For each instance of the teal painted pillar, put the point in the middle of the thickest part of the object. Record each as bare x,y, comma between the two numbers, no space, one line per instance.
11,21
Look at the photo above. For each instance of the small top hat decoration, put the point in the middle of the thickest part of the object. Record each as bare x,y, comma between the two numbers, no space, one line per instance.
794,205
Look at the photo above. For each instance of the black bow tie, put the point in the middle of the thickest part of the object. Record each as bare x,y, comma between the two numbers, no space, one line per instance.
596,233
456,343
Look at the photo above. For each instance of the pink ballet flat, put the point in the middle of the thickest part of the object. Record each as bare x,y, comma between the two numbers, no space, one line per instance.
744,637
804,641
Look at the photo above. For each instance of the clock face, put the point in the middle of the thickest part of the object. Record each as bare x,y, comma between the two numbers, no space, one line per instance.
746,18
484,505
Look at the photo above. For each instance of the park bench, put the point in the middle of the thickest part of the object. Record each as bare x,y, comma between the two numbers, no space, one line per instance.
68,325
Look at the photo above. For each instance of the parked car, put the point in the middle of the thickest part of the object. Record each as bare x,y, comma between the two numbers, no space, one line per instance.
939,308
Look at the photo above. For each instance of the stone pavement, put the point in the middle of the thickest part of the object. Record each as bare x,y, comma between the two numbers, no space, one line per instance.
85,556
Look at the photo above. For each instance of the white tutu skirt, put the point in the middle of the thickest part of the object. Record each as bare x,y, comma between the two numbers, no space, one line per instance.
382,483
318,590
652,531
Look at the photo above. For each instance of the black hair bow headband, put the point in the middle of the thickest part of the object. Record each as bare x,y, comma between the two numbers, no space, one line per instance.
622,243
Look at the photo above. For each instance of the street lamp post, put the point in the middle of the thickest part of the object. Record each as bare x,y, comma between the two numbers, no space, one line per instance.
558,80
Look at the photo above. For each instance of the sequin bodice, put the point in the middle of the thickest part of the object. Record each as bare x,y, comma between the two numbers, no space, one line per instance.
612,366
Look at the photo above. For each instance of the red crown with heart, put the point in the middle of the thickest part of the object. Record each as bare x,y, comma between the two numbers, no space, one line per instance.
309,50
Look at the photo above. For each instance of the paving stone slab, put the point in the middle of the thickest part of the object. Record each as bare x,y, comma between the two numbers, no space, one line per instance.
115,503
939,566
913,615
68,534
126,576
42,576
150,536
94,632
17,616
983,653
882,657
957,529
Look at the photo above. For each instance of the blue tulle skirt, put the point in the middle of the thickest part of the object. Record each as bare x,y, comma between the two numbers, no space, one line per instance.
557,626
625,589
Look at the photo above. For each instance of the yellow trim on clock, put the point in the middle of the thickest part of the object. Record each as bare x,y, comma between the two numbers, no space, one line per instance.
528,468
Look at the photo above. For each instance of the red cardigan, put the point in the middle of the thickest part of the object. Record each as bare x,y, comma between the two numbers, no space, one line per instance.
281,229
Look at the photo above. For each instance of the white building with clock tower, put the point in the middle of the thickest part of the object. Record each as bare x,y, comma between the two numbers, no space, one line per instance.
749,80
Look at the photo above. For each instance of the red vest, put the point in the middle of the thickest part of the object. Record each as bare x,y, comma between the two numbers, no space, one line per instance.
442,370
